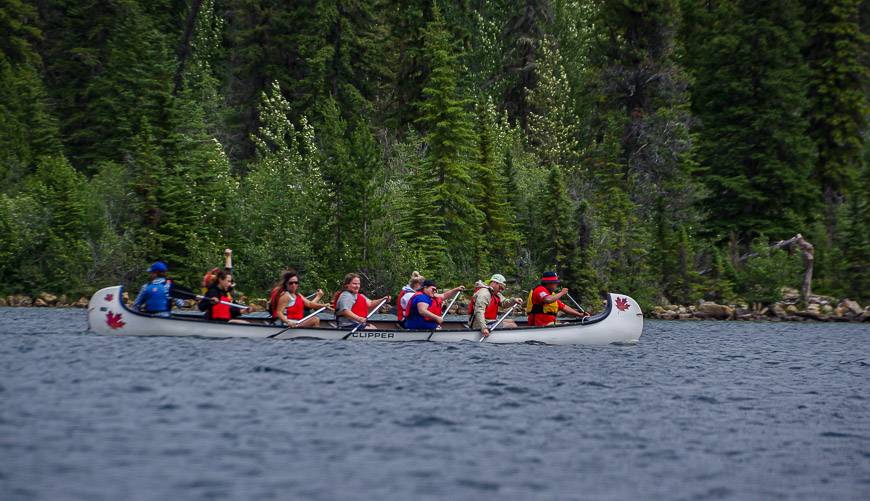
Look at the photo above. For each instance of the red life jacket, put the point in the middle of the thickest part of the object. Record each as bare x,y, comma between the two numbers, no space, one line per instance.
360,307
436,306
297,311
491,312
221,311
400,312
273,301
408,307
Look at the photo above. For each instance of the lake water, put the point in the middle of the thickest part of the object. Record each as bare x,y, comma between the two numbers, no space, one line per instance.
696,410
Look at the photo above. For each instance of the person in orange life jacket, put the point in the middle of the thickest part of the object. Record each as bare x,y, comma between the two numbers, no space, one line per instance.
405,294
287,305
155,297
486,302
419,313
351,306
210,277
545,303
220,291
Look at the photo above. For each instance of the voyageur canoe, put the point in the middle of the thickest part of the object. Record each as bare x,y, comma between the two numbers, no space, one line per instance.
621,321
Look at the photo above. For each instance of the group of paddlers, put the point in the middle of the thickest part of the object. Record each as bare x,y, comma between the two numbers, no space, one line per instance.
419,305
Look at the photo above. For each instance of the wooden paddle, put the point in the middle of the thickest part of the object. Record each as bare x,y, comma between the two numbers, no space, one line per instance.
298,322
378,307
498,322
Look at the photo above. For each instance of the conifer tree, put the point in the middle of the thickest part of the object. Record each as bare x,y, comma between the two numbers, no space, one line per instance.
343,46
28,129
837,102
749,94
553,125
449,138
522,35
281,199
498,229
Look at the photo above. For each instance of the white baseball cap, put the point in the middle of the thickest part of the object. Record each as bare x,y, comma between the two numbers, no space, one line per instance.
498,278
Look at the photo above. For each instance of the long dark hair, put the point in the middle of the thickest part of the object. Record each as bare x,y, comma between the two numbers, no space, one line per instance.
285,277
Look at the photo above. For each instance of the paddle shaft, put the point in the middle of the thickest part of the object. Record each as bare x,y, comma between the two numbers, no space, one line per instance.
447,310
575,303
378,307
177,289
298,322
498,322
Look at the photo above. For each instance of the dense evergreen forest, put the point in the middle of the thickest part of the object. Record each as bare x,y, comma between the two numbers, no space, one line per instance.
638,146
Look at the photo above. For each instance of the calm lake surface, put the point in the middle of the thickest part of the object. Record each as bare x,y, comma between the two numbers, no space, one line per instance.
697,410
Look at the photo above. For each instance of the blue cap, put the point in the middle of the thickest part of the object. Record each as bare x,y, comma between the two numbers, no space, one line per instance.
158,267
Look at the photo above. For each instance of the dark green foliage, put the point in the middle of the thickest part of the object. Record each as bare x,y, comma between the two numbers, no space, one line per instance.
838,106
45,230
750,97
449,136
763,276
633,142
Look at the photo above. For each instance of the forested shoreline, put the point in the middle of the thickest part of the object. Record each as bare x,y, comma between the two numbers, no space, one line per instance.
640,147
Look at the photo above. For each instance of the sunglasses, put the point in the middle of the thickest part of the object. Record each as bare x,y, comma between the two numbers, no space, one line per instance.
293,283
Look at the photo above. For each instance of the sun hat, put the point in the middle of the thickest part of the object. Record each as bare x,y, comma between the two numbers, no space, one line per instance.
499,278
550,277
158,267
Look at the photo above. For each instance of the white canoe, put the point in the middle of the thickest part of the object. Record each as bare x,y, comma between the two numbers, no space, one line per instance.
621,322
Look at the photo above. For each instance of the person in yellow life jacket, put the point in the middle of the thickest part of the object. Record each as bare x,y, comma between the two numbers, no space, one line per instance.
485,303
545,303
218,294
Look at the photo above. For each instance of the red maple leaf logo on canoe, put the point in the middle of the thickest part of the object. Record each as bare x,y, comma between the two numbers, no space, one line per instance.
622,304
113,320
108,297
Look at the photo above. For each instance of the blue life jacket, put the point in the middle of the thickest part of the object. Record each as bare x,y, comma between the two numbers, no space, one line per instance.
157,296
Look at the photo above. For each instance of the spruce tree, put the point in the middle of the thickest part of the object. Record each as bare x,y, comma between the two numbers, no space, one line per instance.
837,102
498,229
750,96
522,34
449,139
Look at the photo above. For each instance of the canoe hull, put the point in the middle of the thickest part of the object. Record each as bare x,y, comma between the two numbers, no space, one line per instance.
621,322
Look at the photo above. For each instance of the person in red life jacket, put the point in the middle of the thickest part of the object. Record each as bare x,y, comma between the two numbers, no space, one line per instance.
439,299
545,303
217,294
351,306
485,303
419,313
287,305
405,294
210,277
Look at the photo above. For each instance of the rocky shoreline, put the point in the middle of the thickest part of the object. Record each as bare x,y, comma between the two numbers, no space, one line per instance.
818,308
789,309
